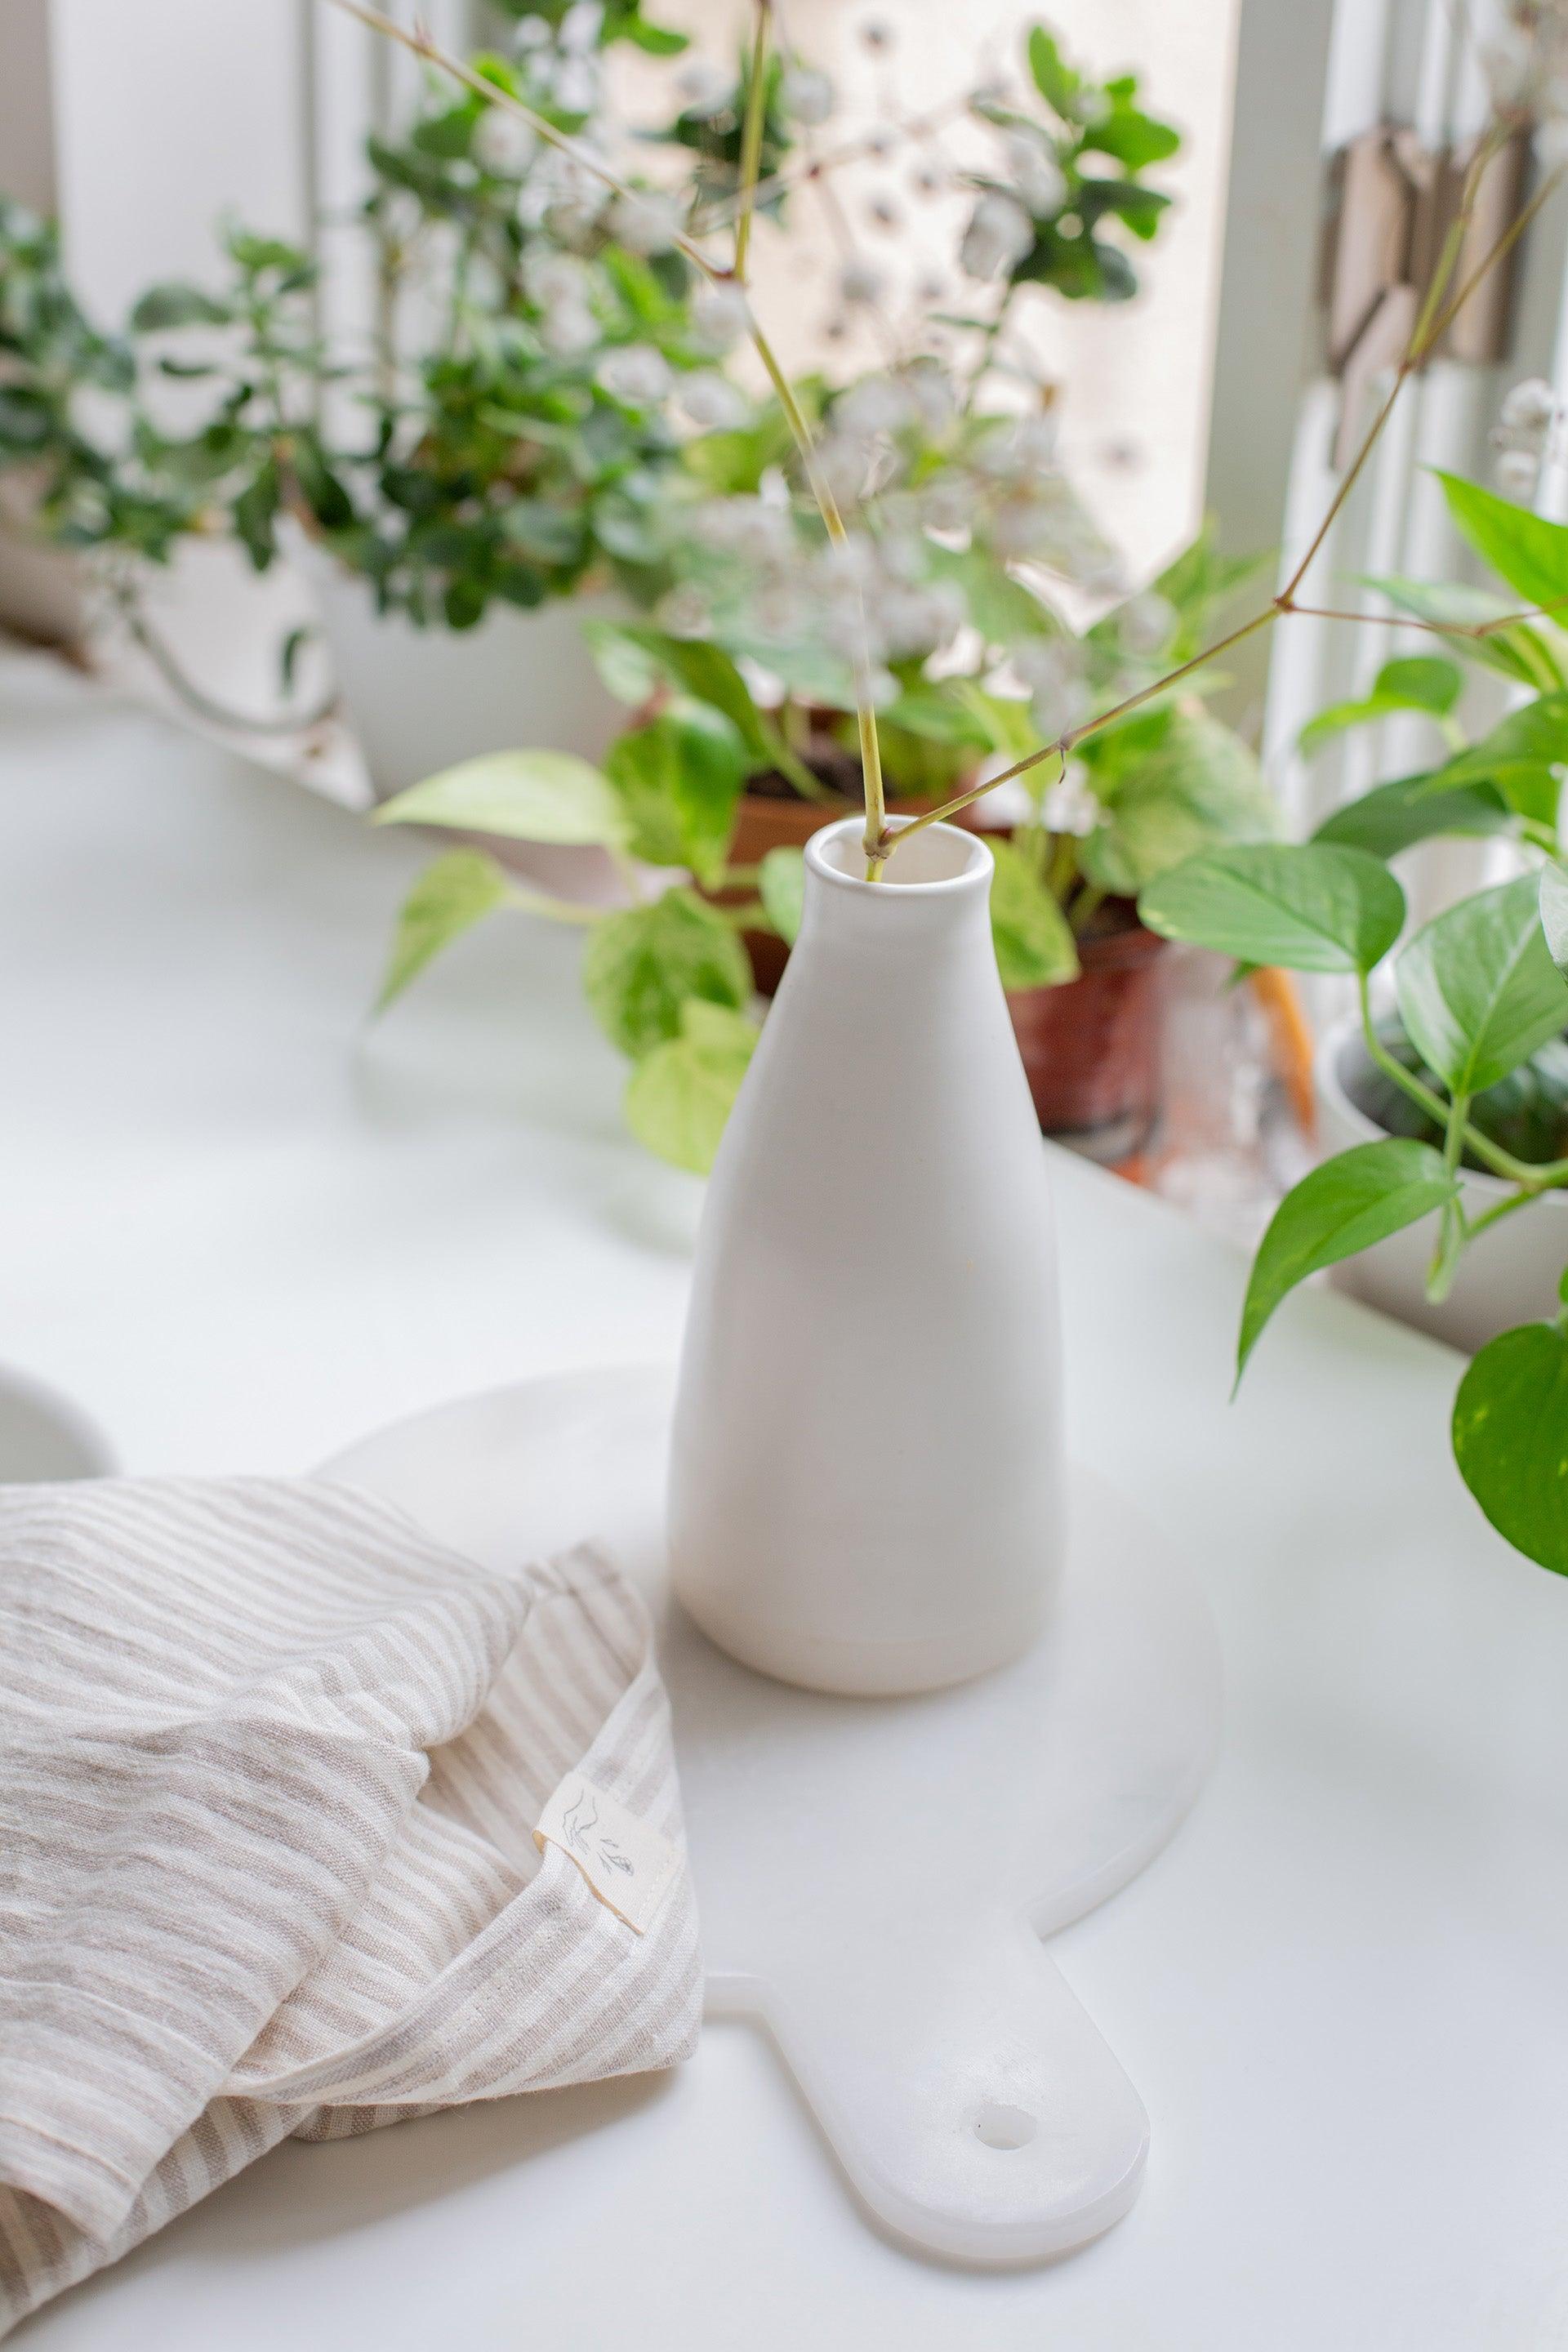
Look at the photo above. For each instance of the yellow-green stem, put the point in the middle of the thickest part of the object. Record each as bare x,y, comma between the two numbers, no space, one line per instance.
751,135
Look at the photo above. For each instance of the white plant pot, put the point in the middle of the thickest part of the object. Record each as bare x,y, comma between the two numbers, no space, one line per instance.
1509,1276
420,700
866,1484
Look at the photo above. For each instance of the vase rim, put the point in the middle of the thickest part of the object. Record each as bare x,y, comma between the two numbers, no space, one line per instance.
972,874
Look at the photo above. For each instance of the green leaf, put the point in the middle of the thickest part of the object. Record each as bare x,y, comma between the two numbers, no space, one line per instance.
678,1099
780,884
681,778
528,795
1393,816
1135,137
1478,990
1057,82
702,671
640,968
626,665
1510,1439
1002,608
1519,651
1313,908
1033,941
656,41
449,898
175,305
1555,914
1191,784
1425,682
1523,548
1344,1206
1522,756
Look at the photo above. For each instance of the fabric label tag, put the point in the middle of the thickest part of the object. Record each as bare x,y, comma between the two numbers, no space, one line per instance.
628,1865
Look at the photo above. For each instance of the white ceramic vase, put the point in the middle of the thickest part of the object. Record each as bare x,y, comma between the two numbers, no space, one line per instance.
867,1490
1508,1275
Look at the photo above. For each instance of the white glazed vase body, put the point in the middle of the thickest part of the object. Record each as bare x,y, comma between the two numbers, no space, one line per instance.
867,1490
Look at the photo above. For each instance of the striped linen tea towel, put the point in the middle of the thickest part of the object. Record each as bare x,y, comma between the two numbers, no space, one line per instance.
271,1764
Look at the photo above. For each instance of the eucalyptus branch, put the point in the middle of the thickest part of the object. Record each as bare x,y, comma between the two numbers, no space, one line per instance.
752,134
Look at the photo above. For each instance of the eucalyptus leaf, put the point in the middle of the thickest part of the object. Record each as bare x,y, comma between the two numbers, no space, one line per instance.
679,1097
1395,816
1555,914
1478,989
177,305
1034,941
1350,1201
527,796
1316,908
680,778
781,885
1510,1439
641,967
1523,548
449,898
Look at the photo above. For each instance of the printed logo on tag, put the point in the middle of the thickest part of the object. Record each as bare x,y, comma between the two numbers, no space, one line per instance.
628,1865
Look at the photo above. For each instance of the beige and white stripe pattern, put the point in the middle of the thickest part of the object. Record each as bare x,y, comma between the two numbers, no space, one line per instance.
270,1764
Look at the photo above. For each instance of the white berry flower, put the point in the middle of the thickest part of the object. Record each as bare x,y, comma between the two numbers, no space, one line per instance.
999,235
636,373
719,313
1517,473
807,95
1531,407
503,144
704,90
1036,174
648,223
712,402
858,283
1071,806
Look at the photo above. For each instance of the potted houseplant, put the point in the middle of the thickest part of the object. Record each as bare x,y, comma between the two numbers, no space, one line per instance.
1443,1199
464,490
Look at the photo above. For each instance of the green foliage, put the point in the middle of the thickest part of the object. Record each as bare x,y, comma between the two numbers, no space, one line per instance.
1034,941
1524,651
1525,1114
680,1095
780,884
1554,915
642,966
1521,757
1171,782
1408,809
528,795
1478,989
449,898
1510,1439
1314,908
1523,548
1350,1201
1089,122
679,779
1423,682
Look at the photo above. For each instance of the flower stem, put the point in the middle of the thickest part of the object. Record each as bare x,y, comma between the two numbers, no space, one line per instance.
751,135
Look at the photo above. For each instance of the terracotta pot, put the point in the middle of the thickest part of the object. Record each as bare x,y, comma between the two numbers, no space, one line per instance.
767,823
1091,1048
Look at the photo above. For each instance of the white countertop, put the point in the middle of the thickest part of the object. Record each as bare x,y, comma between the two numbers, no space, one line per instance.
241,1231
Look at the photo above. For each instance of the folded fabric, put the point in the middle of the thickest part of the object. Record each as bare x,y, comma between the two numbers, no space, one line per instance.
271,1766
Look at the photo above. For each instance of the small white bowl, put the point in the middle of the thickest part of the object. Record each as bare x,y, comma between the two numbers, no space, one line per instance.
1510,1275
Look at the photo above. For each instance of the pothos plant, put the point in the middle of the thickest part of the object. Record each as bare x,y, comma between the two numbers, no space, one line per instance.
1469,1058
667,976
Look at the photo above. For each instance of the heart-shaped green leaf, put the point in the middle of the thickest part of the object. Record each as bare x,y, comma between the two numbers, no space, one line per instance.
1393,816
679,1099
1034,941
1314,908
640,968
1423,682
1523,757
1519,651
527,796
1478,989
681,778
1344,1206
448,897
1510,1439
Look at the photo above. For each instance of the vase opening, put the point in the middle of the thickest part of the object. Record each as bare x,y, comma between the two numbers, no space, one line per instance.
939,853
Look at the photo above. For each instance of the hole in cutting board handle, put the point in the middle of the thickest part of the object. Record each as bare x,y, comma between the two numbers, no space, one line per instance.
1005,2128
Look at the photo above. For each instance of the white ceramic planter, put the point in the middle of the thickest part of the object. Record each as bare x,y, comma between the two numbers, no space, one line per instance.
866,1487
420,700
1509,1276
